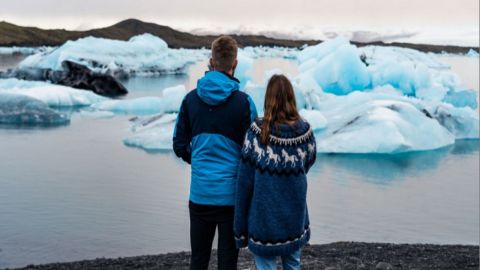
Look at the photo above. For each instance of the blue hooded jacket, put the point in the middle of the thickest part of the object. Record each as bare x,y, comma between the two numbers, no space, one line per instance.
211,126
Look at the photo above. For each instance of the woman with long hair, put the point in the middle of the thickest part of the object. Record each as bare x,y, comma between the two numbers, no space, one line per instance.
271,215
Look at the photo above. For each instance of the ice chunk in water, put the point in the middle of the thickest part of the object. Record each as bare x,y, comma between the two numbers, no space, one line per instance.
52,95
152,133
169,102
472,53
23,110
143,54
379,123
340,68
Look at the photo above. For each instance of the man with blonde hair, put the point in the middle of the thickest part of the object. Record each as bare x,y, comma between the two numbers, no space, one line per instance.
209,134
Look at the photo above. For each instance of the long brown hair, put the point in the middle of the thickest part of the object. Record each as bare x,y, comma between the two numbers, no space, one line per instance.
280,106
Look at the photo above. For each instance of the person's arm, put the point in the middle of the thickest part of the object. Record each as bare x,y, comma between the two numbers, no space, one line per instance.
243,198
252,109
182,136
312,156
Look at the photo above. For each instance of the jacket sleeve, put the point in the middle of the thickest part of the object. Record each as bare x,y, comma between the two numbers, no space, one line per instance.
243,199
253,110
182,136
249,115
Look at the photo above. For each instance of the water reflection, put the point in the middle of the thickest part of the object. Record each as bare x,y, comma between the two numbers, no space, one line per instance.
384,169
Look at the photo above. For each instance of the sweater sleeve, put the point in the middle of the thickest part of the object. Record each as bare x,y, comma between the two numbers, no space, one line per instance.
182,135
312,156
244,191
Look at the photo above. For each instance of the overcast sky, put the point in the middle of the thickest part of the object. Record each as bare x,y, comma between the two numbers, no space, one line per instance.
250,15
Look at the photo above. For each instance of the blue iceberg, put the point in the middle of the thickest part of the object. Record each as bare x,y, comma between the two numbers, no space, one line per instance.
22,110
340,68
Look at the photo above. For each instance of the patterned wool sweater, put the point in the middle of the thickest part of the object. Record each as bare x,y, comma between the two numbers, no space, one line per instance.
271,215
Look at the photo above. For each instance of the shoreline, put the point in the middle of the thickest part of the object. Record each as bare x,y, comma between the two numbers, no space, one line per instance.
333,256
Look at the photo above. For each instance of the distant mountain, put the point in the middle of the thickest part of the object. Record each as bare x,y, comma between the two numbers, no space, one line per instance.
14,35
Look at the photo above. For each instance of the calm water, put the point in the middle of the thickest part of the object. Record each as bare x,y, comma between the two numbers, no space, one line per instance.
77,192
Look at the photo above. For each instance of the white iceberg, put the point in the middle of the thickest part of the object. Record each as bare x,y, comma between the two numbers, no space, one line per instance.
152,133
169,102
379,123
24,50
20,110
142,55
270,52
52,95
315,118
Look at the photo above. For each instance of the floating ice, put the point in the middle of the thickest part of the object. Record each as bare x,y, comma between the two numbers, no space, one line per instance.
340,68
270,52
152,133
24,50
472,53
52,95
143,54
379,123
23,110
380,120
169,102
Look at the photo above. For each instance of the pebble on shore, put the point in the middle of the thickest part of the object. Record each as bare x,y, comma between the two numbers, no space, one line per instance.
334,256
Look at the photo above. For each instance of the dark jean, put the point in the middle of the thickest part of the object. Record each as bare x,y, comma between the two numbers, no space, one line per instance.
204,219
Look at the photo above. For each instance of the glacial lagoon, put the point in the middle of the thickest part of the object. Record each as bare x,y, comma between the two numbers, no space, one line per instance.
77,192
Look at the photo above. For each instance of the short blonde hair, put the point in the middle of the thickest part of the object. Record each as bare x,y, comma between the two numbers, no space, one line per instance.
224,53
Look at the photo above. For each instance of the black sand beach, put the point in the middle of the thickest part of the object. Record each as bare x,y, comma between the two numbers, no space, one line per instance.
334,256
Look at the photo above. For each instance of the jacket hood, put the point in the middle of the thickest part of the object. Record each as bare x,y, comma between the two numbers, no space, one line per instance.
215,87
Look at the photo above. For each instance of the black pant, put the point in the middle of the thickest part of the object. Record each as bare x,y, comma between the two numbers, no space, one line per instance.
203,221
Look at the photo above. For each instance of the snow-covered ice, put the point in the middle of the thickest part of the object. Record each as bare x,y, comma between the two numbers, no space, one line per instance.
143,54
315,118
24,50
152,133
52,95
169,102
379,123
270,52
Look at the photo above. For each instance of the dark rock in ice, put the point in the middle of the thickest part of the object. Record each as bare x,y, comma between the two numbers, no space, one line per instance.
19,110
78,76
73,75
